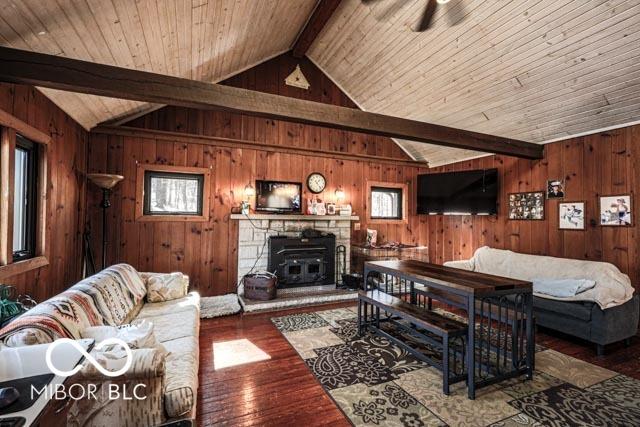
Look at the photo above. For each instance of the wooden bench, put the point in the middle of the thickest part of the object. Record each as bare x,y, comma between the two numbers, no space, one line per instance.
420,319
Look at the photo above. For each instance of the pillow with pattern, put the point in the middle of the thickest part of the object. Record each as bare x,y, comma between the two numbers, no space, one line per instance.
166,287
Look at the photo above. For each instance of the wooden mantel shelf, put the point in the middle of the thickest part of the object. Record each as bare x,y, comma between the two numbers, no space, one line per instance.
285,217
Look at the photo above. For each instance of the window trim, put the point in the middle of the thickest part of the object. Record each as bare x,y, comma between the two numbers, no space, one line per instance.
9,127
404,202
141,215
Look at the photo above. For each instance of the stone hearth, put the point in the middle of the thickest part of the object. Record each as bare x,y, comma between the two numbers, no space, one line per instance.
254,230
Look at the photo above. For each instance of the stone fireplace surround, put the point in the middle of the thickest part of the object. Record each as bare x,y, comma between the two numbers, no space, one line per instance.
253,235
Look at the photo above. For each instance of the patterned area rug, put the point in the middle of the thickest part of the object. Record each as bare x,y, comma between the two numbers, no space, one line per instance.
377,383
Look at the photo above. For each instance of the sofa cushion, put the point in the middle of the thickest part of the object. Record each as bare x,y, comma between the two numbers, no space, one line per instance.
579,310
190,303
172,326
181,376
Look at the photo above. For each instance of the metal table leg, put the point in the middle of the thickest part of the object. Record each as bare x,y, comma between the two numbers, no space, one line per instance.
471,350
530,336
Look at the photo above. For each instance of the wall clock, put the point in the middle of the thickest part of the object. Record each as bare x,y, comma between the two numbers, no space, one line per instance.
316,182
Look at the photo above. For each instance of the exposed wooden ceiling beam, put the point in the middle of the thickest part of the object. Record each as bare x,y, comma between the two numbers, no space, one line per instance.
19,66
319,17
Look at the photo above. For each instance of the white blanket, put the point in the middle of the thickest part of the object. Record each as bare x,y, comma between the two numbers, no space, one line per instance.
612,286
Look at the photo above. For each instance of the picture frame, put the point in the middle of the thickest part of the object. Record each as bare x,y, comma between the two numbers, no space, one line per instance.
555,188
526,206
571,215
616,211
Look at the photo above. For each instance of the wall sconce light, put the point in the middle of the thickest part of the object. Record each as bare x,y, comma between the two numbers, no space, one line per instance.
249,191
340,194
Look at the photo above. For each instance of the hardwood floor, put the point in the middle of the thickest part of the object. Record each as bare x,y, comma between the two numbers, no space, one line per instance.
282,391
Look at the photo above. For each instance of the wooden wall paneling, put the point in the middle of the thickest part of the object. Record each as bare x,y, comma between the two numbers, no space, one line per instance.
269,78
572,152
633,134
539,175
591,155
97,163
66,203
147,234
606,180
115,162
221,278
130,240
594,165
620,170
555,170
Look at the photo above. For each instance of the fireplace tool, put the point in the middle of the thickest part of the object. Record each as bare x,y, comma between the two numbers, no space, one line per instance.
341,264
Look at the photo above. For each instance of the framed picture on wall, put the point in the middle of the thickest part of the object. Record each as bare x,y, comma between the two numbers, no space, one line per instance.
526,206
555,189
571,215
616,211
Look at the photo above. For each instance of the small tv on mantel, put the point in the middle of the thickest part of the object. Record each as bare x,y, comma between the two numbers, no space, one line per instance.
279,197
458,193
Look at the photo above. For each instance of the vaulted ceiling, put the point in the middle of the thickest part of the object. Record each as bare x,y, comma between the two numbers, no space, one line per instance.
535,70
196,39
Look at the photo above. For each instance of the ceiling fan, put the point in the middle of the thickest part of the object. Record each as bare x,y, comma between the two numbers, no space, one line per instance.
427,15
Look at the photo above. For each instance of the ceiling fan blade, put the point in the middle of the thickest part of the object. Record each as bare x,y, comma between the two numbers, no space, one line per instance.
427,17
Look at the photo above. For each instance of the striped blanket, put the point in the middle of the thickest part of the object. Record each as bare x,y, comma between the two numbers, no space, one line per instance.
111,297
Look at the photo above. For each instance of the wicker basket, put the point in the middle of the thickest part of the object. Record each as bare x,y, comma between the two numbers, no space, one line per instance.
260,287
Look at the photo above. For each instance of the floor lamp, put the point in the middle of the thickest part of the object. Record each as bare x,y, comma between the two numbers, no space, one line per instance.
106,182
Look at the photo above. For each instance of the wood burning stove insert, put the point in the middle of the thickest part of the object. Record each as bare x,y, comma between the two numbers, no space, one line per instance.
299,261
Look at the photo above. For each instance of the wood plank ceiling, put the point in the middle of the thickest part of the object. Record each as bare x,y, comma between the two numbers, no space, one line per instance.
198,39
535,70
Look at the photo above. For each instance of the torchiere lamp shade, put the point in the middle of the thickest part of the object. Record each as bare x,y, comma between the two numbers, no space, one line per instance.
105,180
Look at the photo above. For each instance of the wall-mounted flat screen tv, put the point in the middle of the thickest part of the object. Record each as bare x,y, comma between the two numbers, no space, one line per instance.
279,196
458,193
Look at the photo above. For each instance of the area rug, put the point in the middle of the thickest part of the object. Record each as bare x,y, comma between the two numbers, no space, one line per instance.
222,305
377,383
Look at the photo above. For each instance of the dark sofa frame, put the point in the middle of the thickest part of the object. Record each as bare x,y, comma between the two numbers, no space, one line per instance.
588,321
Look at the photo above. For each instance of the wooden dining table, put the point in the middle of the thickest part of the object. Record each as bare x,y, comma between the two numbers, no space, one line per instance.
489,301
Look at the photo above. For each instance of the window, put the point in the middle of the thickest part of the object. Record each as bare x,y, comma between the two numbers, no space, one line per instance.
386,203
167,193
25,199
24,172
172,193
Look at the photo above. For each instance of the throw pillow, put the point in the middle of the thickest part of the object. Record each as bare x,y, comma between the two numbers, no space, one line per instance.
166,287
